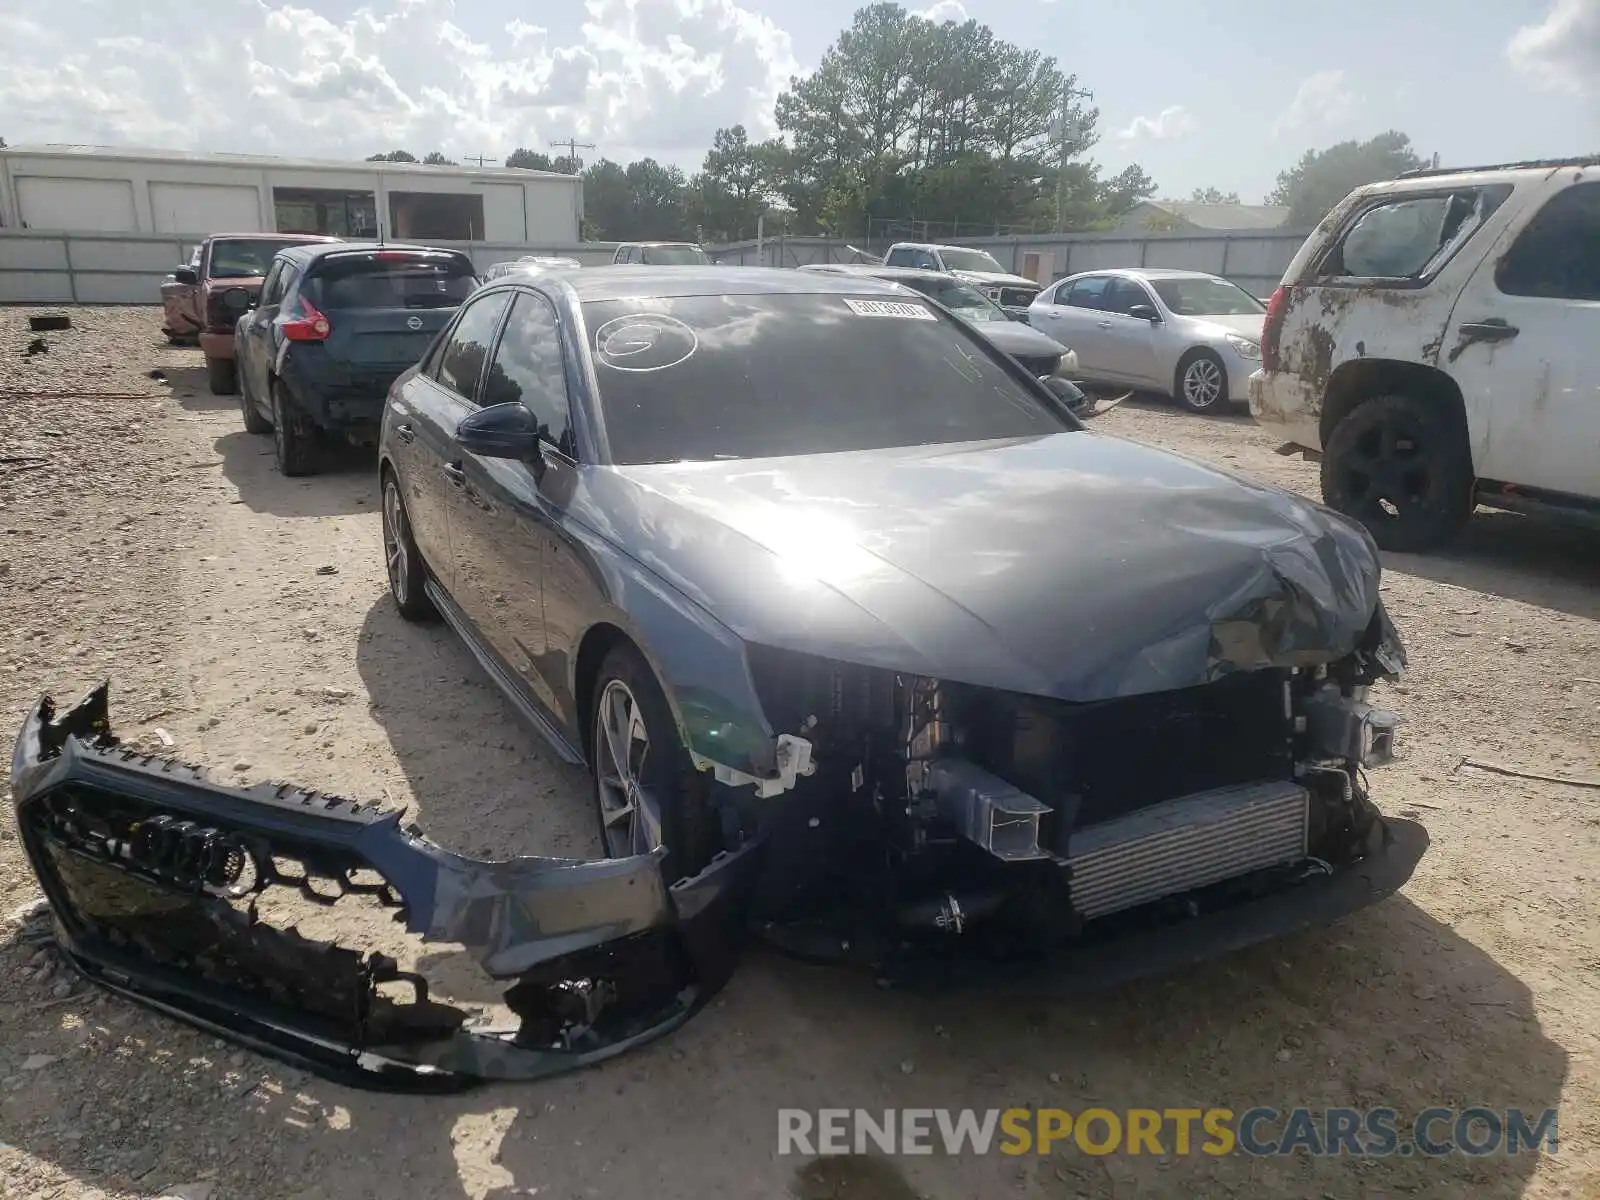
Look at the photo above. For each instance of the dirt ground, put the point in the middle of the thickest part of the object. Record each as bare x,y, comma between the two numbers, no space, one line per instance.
146,538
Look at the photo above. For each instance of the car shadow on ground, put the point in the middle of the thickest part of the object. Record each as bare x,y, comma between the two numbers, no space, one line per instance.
1390,1008
346,482
1534,560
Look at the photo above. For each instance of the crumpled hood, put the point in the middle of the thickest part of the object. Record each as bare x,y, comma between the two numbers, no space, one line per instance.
1077,566
996,277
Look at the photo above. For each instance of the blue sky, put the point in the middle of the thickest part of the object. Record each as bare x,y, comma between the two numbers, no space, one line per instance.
1223,95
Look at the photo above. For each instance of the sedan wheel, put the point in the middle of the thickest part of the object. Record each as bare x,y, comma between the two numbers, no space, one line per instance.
630,813
402,562
1203,384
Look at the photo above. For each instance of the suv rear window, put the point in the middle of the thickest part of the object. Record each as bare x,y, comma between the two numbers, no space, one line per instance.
391,282
1412,237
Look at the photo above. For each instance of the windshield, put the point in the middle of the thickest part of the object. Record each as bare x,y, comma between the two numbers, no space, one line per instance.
240,259
958,259
711,377
1197,297
967,303
674,256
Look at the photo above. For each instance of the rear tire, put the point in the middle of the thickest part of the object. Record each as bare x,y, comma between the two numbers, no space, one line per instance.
1201,383
646,790
1401,466
222,375
294,439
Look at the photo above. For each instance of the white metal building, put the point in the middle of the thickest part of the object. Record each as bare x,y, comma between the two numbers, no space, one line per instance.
100,189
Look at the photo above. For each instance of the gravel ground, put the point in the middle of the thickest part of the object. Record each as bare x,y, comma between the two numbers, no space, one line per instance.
145,537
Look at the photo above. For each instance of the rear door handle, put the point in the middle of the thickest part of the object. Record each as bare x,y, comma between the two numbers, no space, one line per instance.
455,474
405,433
1492,329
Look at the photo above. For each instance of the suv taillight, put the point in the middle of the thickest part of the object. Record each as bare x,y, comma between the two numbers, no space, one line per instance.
305,323
1272,328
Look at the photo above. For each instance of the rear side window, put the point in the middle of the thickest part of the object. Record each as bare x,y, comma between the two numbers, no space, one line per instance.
1558,253
462,357
1088,293
369,282
529,368
1411,238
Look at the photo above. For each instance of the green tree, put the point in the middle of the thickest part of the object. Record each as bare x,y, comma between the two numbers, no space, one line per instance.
392,156
656,194
1213,195
607,204
436,158
530,160
1322,178
738,179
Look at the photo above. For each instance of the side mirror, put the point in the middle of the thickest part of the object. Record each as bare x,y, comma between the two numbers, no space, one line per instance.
1145,312
186,275
500,431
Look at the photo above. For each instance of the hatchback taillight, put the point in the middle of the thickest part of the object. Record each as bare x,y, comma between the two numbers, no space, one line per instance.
1272,329
304,323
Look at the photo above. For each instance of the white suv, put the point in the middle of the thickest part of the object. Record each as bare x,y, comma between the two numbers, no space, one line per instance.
1436,344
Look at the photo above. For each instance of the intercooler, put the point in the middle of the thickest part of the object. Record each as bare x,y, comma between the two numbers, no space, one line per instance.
1186,843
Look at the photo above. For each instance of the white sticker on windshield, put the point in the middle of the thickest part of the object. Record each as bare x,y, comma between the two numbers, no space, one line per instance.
889,308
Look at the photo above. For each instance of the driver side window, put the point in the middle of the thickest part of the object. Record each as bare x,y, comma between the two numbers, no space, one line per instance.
1123,294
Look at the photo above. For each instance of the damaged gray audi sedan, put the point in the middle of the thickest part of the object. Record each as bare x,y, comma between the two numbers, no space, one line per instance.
869,646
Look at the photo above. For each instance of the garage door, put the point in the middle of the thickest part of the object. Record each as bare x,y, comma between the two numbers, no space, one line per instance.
104,205
205,208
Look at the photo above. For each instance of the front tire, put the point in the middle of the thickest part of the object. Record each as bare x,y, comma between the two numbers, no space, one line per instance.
294,441
254,422
1201,385
647,792
402,560
222,376
1401,466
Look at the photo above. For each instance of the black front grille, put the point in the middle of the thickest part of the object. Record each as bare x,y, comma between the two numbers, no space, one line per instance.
1017,297
1040,364
1117,756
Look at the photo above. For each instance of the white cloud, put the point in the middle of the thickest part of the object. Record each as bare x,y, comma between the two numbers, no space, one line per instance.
944,10
1167,125
1561,52
1321,100
277,76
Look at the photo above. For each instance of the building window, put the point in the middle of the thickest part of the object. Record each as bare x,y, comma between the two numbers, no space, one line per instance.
326,210
436,215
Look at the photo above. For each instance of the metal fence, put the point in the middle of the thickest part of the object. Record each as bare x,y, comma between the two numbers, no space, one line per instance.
39,267
127,268
1255,261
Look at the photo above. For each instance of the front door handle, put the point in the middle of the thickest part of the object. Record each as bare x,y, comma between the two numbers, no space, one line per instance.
1492,329
405,433
454,473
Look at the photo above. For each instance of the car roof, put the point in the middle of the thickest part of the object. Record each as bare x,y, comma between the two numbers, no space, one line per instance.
310,239
316,250
626,282
1148,273
694,245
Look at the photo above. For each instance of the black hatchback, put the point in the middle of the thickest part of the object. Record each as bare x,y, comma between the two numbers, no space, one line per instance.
334,327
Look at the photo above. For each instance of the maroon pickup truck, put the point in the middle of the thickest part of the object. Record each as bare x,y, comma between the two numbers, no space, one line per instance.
192,298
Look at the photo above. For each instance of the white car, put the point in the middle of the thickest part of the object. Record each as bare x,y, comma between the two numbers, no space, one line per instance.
1185,334
981,269
1436,344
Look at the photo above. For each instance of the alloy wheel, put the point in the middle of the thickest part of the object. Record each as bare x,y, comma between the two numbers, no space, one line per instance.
1386,472
396,559
1202,383
629,813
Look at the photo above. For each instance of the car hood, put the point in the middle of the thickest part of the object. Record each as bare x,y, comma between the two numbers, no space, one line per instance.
1248,325
1016,338
1076,565
996,277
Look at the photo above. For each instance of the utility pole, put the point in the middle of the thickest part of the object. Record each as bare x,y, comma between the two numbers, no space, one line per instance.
573,146
480,159
1065,141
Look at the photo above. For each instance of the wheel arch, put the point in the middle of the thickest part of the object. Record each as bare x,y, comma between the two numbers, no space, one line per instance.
1361,379
598,641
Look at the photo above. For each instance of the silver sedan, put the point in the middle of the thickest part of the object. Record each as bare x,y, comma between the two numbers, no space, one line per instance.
1189,335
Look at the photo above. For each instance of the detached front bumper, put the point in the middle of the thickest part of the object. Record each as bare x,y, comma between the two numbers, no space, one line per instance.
165,888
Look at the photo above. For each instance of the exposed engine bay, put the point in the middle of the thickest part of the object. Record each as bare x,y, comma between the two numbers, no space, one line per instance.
918,823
